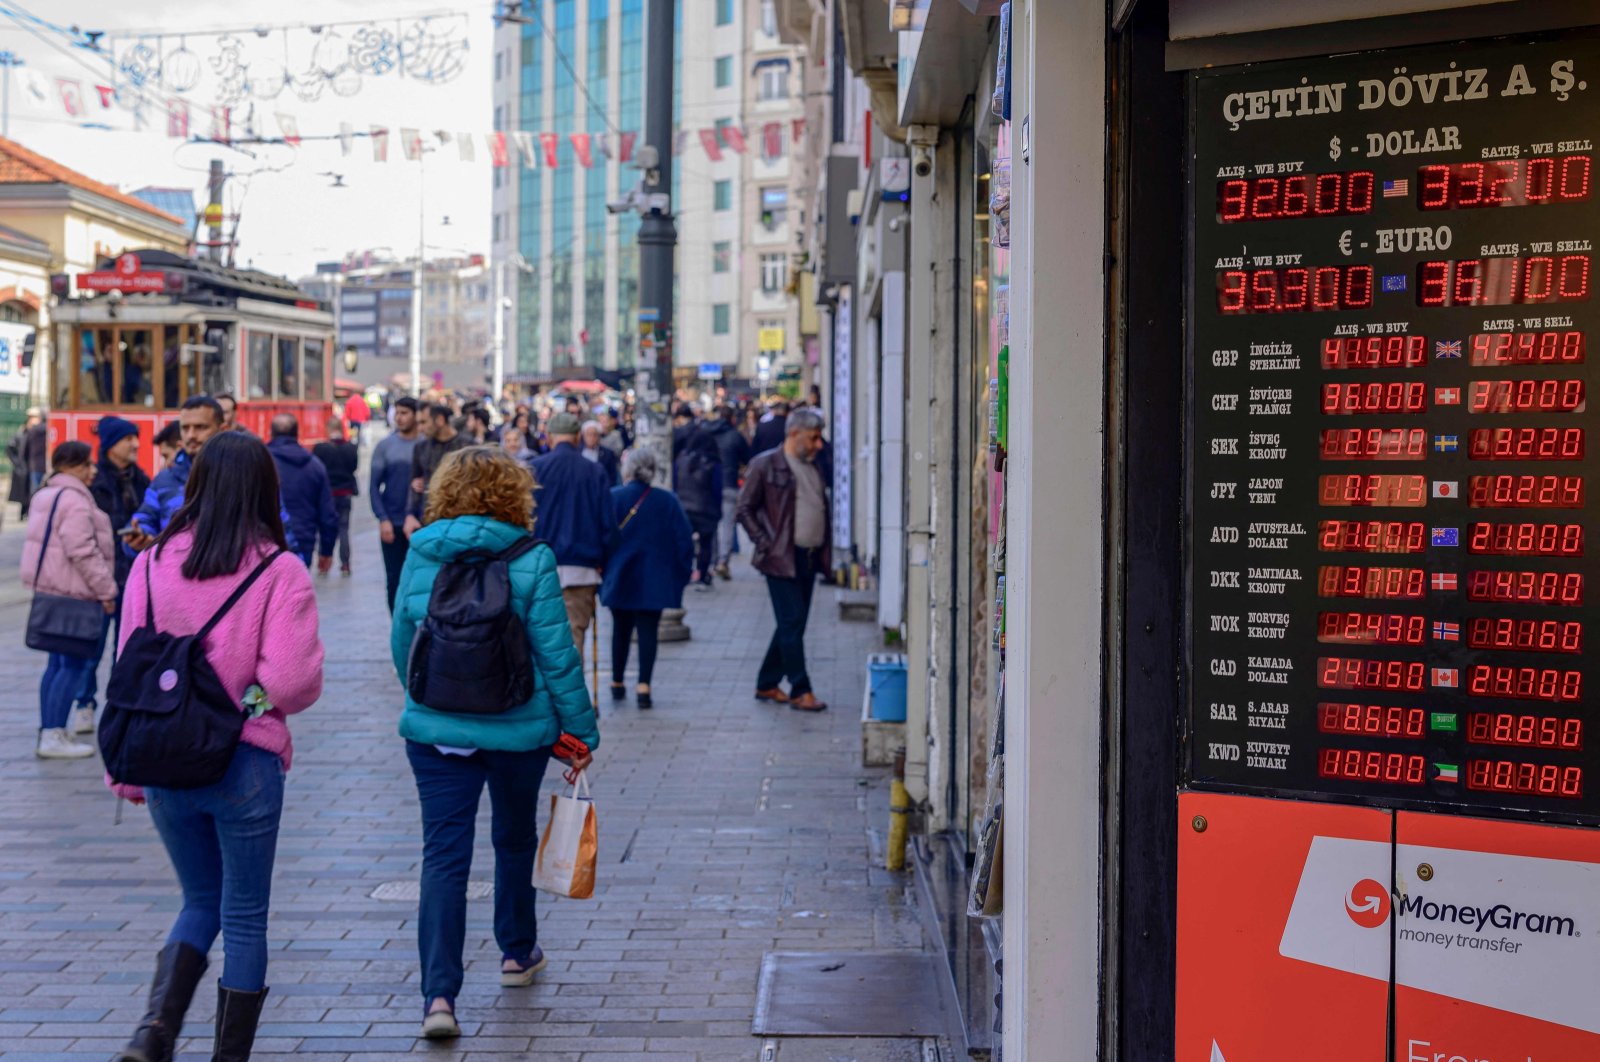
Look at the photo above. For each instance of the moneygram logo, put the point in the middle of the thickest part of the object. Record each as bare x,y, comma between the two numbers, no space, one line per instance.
1367,904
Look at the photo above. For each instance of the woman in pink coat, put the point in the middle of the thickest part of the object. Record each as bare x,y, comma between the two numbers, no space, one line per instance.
223,838
66,525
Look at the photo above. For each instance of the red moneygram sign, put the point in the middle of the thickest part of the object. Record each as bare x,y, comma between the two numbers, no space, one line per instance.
126,275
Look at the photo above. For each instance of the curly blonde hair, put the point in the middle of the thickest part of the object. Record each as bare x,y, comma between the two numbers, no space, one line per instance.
482,481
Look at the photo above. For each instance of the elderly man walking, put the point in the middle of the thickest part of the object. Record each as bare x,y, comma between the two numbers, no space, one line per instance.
784,509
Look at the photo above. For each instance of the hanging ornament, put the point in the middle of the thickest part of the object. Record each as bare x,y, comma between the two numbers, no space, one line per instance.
346,82
266,79
331,54
429,53
180,70
140,64
374,50
309,84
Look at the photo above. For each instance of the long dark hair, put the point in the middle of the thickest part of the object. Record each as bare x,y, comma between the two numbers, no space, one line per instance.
231,503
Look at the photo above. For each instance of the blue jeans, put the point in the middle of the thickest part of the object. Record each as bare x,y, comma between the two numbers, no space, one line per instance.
449,788
222,840
90,688
791,608
63,676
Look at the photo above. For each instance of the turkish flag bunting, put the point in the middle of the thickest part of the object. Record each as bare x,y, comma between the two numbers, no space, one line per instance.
411,143
347,134
799,129
530,157
71,93
581,147
550,142
467,147
289,126
602,144
498,153
108,96
380,144
178,118
772,140
708,140
734,138
625,148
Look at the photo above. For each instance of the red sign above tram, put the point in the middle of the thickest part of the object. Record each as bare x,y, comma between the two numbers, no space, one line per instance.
127,275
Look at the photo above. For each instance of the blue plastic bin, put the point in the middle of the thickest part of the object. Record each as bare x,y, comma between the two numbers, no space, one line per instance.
886,684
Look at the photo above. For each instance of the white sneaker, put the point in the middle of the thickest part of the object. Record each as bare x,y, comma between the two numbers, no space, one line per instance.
54,744
82,721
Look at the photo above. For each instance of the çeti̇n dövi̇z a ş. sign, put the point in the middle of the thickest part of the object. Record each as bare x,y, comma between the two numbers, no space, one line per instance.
1392,321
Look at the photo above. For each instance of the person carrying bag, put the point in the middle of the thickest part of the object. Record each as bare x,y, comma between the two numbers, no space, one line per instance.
476,581
67,563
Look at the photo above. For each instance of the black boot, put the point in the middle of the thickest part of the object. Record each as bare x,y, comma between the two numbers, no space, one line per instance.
237,1015
178,970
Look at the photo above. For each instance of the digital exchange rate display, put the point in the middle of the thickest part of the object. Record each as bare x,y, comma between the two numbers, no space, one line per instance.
1391,449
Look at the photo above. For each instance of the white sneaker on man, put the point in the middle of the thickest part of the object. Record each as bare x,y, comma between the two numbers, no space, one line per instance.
55,744
82,721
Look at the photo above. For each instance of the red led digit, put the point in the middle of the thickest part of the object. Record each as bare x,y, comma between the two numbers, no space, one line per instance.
1496,177
1524,635
1264,291
1506,183
1537,588
1522,779
1433,283
1525,492
1296,197
1433,187
1356,765
1574,277
1467,290
1358,287
1264,198
1540,183
1574,178
1295,284
1230,291
1329,194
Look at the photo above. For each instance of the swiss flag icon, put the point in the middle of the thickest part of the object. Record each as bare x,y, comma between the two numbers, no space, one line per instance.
1447,396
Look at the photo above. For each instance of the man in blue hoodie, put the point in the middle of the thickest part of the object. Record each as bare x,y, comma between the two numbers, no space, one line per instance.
199,419
575,516
307,495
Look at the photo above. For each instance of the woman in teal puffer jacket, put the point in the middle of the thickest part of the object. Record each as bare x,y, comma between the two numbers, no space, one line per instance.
482,499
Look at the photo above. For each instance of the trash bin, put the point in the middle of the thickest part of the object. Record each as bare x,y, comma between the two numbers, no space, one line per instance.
886,684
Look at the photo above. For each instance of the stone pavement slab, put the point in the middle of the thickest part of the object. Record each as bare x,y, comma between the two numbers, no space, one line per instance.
728,828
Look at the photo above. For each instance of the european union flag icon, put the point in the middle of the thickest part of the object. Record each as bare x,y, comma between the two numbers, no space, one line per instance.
1394,282
1447,536
1446,444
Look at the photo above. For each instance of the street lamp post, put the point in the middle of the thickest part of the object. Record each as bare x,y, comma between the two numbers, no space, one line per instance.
8,59
502,303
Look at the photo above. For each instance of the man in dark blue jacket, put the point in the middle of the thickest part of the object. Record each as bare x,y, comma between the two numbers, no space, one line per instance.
576,518
303,482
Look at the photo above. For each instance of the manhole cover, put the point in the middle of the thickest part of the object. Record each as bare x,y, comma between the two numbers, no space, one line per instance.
877,994
411,891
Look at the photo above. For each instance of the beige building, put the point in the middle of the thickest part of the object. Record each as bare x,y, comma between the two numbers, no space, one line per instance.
55,220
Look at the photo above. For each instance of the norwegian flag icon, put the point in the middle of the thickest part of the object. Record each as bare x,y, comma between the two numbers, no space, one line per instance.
1444,581
1447,632
1446,677
1447,396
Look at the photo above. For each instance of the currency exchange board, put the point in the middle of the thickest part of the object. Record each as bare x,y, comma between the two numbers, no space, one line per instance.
1393,341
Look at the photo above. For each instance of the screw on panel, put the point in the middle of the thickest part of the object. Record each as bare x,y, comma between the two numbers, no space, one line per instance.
1425,871
1199,823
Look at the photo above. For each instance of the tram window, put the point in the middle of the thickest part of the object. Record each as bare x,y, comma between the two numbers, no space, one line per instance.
137,350
258,373
289,367
97,380
214,375
180,369
316,391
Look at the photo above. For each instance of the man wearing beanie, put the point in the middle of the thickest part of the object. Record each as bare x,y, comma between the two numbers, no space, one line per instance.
118,488
575,516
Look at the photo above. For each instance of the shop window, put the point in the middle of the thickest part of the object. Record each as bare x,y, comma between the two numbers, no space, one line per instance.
721,319
774,273
721,256
774,208
258,367
289,367
316,371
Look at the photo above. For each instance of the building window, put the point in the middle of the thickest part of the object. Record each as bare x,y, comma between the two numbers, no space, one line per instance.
722,195
499,116
774,208
724,71
499,65
774,83
724,12
721,319
774,273
769,17
721,256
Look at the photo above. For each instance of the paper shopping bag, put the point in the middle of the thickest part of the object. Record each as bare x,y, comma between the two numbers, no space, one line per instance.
567,852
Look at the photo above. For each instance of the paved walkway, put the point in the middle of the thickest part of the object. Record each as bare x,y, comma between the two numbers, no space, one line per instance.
728,829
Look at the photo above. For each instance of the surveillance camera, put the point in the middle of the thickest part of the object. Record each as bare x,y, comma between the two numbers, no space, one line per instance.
896,224
624,205
922,161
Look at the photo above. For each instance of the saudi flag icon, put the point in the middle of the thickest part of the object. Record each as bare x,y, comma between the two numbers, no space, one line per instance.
1447,772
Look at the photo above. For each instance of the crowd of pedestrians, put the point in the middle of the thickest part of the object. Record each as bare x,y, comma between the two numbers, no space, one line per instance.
501,532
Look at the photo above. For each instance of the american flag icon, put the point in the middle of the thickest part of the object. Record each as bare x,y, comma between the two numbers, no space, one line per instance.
1444,580
1447,348
1396,189
1447,632
1447,677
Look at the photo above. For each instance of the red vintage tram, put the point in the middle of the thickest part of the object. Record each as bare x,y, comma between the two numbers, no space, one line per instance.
151,329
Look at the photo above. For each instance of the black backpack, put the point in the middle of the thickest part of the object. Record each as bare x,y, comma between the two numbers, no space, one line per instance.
168,721
471,655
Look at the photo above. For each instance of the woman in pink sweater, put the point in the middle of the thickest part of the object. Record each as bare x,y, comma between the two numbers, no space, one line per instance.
67,552
222,838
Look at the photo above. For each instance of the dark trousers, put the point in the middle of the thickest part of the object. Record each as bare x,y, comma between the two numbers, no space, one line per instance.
705,542
449,788
624,621
791,607
91,678
341,506
394,558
